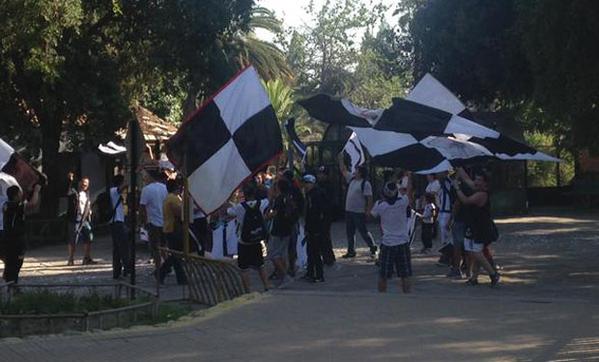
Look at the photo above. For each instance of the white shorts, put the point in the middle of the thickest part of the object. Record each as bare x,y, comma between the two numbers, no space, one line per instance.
471,246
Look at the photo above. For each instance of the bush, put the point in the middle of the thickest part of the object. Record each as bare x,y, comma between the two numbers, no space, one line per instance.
47,302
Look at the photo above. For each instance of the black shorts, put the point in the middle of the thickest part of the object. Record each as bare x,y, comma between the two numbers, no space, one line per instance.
397,257
249,256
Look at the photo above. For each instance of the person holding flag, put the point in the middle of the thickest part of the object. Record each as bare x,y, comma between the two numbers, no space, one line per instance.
80,213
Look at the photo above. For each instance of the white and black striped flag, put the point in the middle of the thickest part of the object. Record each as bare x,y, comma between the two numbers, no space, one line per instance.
354,150
298,145
227,140
430,92
13,164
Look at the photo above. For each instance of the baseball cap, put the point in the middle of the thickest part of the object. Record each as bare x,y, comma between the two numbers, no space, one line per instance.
309,179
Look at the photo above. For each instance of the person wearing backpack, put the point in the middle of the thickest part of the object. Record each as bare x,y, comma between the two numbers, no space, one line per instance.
250,216
284,214
358,203
118,229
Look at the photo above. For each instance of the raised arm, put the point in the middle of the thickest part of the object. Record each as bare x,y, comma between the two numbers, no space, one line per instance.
463,175
409,188
31,206
342,167
478,198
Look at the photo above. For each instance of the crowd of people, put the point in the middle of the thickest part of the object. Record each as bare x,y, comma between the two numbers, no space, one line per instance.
276,210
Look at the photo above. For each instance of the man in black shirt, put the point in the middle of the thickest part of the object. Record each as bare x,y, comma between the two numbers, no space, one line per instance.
328,255
316,204
14,230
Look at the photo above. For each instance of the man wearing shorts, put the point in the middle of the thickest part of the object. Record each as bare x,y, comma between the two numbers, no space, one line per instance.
249,253
284,216
395,243
80,228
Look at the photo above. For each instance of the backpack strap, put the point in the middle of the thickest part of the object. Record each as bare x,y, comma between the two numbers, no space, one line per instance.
118,202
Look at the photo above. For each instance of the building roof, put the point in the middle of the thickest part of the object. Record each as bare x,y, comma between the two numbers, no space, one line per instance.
154,128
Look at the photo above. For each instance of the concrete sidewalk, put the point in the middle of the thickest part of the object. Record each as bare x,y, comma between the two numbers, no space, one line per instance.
547,309
324,326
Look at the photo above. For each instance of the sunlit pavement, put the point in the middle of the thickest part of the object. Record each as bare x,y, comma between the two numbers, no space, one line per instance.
545,310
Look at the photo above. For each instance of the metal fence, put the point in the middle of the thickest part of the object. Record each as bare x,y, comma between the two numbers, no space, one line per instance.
210,281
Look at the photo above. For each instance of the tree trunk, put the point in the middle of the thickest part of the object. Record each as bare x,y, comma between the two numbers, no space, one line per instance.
51,130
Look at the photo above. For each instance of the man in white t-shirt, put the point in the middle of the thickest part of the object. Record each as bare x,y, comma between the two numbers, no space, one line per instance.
151,202
80,213
120,247
395,254
358,203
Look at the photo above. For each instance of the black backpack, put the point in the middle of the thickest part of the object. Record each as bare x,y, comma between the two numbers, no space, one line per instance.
253,230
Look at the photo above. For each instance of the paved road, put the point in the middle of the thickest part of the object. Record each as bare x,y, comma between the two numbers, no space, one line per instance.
546,310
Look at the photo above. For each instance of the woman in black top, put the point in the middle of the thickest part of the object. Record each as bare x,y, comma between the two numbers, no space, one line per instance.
479,225
14,230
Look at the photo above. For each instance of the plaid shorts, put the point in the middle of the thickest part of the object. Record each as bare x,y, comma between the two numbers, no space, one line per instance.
396,257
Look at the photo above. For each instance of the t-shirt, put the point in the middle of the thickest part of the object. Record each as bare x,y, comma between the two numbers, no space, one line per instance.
152,197
171,212
446,196
428,215
3,199
239,212
434,187
282,222
355,200
394,220
83,199
119,213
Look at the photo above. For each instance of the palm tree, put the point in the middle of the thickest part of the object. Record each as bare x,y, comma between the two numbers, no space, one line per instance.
246,48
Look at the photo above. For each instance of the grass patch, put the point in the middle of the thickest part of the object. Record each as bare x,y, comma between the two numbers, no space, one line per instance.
171,312
47,302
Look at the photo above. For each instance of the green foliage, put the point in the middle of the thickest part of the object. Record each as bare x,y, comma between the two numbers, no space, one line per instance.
517,55
265,56
548,174
47,302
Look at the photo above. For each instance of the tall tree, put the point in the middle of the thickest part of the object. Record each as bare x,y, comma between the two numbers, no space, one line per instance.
537,58
73,67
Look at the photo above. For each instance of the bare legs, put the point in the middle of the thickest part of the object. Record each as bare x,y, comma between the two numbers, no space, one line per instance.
406,285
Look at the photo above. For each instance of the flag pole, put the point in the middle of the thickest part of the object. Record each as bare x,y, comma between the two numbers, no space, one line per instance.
186,216
133,164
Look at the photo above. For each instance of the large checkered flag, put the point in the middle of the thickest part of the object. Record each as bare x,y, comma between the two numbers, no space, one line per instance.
227,140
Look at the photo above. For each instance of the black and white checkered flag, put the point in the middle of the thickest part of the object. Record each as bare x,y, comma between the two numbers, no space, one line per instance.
227,140
429,131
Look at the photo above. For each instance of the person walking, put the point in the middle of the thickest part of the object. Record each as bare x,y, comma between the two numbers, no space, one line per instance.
14,211
324,182
283,213
315,227
173,232
152,202
358,203
80,228
395,254
480,228
428,222
121,264
250,216
445,201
